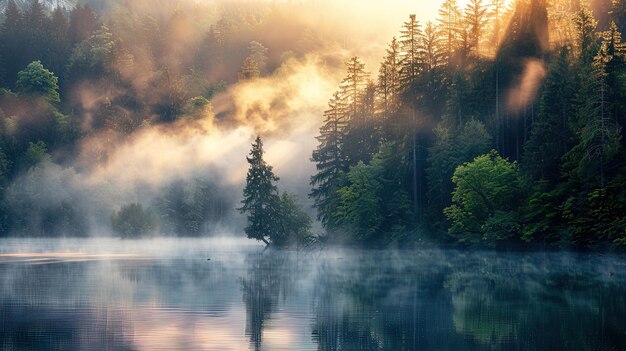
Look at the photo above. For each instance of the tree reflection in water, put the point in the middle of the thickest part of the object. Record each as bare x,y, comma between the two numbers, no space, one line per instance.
331,300
439,300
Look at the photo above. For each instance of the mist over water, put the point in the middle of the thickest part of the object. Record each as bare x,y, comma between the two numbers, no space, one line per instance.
166,294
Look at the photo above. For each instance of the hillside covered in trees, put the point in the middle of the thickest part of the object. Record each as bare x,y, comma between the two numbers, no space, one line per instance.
494,124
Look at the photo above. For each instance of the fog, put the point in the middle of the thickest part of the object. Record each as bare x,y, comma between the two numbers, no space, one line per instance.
308,43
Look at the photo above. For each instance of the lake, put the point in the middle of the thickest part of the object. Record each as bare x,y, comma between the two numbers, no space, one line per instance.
230,294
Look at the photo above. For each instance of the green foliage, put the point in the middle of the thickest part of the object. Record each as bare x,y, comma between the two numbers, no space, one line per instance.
597,134
550,136
93,55
358,209
36,153
132,221
448,151
375,206
501,226
295,225
597,218
35,80
585,25
488,190
542,216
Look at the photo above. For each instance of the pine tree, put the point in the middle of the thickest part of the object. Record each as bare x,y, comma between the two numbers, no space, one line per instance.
585,26
353,89
330,161
362,134
412,56
254,65
476,18
260,197
618,14
614,51
432,86
389,88
249,69
411,66
353,84
549,138
60,49
11,39
496,21
597,134
449,18
36,27
83,23
371,130
560,14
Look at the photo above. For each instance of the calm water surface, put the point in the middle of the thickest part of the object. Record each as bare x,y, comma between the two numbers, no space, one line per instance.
165,294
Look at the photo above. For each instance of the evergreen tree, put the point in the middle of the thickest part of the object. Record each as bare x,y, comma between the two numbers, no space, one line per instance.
254,65
412,56
389,89
585,25
447,152
36,27
249,70
618,14
330,161
550,137
83,23
449,18
476,18
353,85
614,52
412,62
12,43
260,197
358,133
59,46
432,82
597,134
496,21
526,39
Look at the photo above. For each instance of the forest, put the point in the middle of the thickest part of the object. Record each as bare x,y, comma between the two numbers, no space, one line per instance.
496,124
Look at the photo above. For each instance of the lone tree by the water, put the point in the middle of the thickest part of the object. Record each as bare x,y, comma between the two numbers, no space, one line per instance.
260,196
272,217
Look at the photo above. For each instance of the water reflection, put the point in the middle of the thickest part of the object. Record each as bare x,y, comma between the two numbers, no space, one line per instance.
140,296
